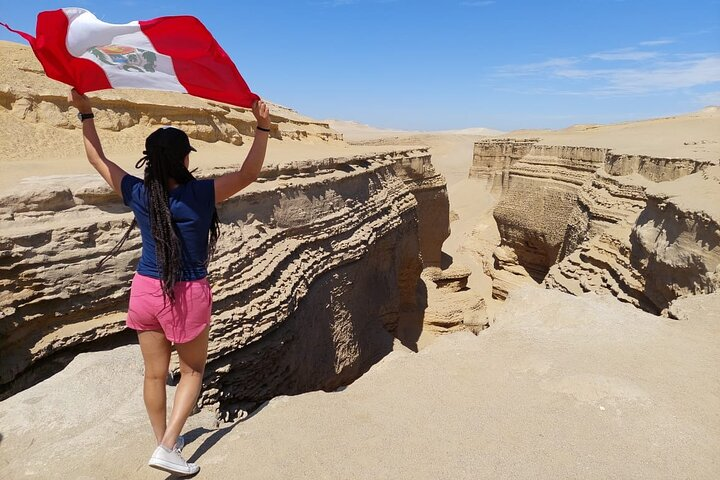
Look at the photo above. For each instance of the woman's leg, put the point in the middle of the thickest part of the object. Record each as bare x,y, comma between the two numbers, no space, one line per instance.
193,356
156,354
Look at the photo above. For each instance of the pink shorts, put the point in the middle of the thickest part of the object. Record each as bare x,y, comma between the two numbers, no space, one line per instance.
182,321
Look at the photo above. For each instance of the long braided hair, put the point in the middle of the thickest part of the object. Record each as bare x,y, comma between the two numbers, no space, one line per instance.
164,159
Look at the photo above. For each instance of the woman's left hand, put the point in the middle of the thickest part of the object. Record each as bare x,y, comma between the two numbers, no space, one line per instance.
79,101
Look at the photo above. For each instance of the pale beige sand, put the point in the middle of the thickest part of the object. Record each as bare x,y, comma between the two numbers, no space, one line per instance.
358,132
559,387
694,135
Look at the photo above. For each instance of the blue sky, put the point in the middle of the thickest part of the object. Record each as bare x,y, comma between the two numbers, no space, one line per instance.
434,65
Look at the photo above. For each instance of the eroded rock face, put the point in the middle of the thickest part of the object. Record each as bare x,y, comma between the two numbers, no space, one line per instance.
676,239
453,279
430,191
492,160
537,195
313,268
452,306
589,220
315,263
208,121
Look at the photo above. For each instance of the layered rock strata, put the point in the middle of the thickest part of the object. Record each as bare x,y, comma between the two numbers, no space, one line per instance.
538,197
430,191
590,220
207,121
313,268
492,159
36,117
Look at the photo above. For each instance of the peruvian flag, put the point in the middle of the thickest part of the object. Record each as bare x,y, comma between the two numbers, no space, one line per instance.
169,53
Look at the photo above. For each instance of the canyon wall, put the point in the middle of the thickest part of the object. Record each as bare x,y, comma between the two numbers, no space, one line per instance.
589,220
313,268
317,265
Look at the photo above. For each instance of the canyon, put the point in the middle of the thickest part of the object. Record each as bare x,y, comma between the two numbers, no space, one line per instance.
406,304
641,228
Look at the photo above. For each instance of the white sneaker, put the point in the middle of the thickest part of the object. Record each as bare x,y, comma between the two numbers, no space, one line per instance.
170,461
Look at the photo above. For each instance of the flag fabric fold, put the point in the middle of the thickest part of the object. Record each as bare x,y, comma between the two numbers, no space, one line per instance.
175,54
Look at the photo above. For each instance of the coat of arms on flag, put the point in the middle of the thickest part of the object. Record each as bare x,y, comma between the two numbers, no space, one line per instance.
169,53
126,58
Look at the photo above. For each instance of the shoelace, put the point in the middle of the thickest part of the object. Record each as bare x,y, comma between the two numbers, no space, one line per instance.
178,451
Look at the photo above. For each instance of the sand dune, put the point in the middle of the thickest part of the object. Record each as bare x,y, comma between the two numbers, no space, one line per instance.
354,132
693,135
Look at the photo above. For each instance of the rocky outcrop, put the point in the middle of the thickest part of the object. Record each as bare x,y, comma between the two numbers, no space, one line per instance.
430,191
585,220
453,279
676,238
451,305
492,159
207,121
537,194
314,266
598,248
652,168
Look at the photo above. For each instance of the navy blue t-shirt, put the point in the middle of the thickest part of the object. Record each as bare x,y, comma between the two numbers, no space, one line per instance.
191,208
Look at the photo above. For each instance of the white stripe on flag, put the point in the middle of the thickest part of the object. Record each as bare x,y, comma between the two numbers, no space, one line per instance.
137,65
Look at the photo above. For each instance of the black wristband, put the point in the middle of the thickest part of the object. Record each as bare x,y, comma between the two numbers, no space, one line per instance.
262,129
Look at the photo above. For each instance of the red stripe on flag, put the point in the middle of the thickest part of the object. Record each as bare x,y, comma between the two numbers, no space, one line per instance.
200,64
49,47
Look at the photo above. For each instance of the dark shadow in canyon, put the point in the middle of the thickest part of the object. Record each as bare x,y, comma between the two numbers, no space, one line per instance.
410,325
344,325
445,260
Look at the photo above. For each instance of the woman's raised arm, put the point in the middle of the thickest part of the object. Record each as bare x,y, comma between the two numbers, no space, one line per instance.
112,173
229,184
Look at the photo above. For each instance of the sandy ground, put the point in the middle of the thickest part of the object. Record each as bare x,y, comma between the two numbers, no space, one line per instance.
358,132
694,135
559,387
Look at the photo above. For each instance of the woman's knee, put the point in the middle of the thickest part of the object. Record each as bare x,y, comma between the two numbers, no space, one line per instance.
192,370
156,376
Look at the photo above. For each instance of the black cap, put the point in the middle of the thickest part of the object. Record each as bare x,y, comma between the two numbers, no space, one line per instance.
174,141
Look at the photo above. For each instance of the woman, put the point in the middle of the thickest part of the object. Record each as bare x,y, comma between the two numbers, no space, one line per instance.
170,299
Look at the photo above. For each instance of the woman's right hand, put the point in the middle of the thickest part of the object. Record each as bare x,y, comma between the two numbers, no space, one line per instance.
262,114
